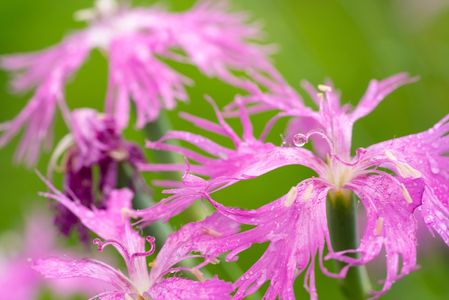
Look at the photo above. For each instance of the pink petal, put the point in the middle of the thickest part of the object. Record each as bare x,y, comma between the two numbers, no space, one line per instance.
249,158
61,268
199,236
426,153
377,91
183,289
112,224
46,71
224,167
136,74
390,224
296,227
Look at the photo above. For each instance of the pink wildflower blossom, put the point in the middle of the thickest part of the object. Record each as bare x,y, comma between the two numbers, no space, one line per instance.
134,39
18,281
95,142
113,226
397,181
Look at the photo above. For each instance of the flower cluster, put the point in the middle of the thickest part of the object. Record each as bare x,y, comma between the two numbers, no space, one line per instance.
397,182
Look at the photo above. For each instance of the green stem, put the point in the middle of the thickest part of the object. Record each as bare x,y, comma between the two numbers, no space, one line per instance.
154,131
342,219
142,199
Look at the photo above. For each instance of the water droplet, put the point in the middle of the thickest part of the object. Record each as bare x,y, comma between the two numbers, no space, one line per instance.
299,140
434,168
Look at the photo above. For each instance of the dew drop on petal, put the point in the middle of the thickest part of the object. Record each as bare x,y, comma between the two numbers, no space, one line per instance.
434,168
299,140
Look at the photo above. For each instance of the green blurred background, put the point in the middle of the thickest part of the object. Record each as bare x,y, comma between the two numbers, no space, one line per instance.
349,41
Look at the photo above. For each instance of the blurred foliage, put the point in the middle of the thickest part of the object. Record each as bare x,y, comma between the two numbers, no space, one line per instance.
349,41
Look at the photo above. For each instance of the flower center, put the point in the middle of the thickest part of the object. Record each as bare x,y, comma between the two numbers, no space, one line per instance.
339,174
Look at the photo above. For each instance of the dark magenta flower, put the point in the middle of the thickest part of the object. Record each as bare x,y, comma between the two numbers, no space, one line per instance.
91,157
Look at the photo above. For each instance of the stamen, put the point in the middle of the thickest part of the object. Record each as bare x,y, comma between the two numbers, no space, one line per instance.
291,196
106,7
102,8
87,14
119,154
324,88
126,212
151,241
379,226
211,232
198,274
215,261
152,264
128,297
308,193
65,143
102,244
359,152
406,194
403,168
390,155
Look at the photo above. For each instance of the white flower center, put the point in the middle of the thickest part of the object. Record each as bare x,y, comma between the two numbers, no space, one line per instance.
339,174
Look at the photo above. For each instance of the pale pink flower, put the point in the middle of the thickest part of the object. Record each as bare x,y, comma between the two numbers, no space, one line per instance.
134,40
113,226
396,181
18,281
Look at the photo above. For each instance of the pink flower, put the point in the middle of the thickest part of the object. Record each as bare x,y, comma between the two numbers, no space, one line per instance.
95,143
134,39
396,181
18,281
113,226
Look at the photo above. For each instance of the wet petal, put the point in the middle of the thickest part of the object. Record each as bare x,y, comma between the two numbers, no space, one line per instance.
295,227
423,155
112,224
199,237
62,268
224,167
183,289
390,224
377,91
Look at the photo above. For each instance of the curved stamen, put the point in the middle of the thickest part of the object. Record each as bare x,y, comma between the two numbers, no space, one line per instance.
324,136
62,147
359,152
300,139
102,244
151,241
